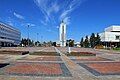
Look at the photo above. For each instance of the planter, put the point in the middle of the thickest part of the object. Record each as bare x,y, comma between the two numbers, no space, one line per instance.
3,65
81,54
45,53
14,52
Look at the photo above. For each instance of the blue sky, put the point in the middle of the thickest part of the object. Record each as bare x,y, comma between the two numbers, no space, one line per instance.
82,17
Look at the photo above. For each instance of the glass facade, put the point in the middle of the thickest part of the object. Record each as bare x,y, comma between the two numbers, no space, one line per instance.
9,36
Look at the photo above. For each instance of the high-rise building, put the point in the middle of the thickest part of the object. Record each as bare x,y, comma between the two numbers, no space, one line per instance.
9,36
62,34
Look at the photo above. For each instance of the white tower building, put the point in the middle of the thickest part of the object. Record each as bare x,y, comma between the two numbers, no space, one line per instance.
62,34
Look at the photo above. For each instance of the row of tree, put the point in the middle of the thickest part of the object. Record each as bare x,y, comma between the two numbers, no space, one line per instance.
90,42
70,43
29,42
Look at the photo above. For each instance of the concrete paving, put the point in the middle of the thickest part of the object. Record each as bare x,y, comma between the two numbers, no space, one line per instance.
78,72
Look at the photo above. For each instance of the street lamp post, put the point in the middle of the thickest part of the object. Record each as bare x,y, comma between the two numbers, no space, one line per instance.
37,38
28,34
42,40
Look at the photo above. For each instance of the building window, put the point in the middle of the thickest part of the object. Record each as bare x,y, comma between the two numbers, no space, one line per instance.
117,37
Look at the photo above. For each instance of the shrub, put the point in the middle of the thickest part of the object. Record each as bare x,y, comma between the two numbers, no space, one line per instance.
99,47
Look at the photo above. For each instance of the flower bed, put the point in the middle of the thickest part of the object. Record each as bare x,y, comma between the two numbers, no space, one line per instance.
81,54
102,68
14,52
42,58
36,69
91,59
45,53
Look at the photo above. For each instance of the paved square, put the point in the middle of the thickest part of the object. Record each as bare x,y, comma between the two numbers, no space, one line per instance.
2,57
102,68
90,59
42,58
36,69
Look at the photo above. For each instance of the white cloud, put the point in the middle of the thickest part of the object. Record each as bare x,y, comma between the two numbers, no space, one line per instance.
10,21
67,20
47,8
44,23
18,15
55,7
69,9
57,27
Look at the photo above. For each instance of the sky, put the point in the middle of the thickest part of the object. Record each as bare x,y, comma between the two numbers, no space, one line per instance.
82,17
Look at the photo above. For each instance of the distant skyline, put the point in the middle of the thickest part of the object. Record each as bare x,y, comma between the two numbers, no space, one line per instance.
82,17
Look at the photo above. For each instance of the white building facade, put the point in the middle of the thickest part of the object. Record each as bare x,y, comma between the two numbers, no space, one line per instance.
62,34
111,35
9,36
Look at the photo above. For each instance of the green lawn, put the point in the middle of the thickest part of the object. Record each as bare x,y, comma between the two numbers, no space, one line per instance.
116,49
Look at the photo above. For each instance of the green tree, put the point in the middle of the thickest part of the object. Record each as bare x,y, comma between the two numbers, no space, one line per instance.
37,43
92,40
86,42
24,42
98,40
49,43
54,44
44,43
70,42
30,42
82,42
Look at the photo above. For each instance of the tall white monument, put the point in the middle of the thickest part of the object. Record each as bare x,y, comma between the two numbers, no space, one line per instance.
62,34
